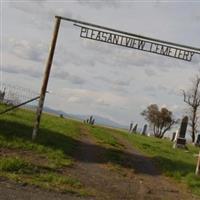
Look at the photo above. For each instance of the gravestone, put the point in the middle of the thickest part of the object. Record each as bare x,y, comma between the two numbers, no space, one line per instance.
90,119
92,122
173,136
61,116
144,129
134,130
197,143
181,141
130,128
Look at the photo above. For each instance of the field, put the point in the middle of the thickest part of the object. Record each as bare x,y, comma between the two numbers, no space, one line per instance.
66,148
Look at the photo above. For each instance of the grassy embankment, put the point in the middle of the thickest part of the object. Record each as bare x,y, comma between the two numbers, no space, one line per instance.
42,162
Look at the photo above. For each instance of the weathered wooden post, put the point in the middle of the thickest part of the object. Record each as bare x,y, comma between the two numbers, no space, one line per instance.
46,77
198,166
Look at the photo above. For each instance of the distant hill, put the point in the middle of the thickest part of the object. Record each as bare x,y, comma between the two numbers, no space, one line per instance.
98,119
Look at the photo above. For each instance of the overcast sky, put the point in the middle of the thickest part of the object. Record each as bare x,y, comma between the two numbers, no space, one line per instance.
90,77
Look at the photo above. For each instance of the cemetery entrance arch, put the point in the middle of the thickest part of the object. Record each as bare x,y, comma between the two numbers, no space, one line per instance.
115,37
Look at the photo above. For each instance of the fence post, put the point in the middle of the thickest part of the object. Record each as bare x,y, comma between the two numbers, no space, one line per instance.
46,77
198,165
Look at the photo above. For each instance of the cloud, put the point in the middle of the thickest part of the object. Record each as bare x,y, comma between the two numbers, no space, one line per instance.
30,51
18,69
27,58
100,4
28,6
161,90
64,55
91,97
104,72
113,82
197,18
150,90
150,72
41,8
102,102
168,90
41,12
68,77
196,60
116,56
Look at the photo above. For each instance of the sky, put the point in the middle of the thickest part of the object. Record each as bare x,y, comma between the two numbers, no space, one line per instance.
90,77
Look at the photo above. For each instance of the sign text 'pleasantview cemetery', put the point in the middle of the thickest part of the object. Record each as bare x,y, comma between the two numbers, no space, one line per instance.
135,43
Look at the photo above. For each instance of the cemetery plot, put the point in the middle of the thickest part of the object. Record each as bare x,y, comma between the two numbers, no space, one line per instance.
106,161
101,162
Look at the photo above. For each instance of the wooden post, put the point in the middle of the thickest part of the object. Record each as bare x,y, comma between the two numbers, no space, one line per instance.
198,165
46,77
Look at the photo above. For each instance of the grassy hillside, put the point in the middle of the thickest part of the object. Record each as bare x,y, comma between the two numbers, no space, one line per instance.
177,163
38,162
44,161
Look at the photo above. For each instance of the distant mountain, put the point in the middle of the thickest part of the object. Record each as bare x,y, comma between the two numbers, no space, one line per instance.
98,119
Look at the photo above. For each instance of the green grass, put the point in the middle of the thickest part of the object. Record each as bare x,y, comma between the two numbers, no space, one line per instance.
103,136
56,138
177,163
113,149
57,141
22,171
54,148
13,164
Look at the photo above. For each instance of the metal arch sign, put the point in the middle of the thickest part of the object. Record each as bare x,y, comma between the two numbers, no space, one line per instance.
115,37
135,43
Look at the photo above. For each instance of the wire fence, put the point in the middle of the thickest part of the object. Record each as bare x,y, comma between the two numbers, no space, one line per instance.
14,95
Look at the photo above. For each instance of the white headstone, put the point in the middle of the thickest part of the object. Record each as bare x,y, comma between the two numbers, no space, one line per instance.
176,136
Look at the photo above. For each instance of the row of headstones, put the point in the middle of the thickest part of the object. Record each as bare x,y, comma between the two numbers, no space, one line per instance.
133,129
90,120
178,137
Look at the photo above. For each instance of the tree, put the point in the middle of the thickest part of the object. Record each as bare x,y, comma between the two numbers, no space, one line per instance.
160,120
192,99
